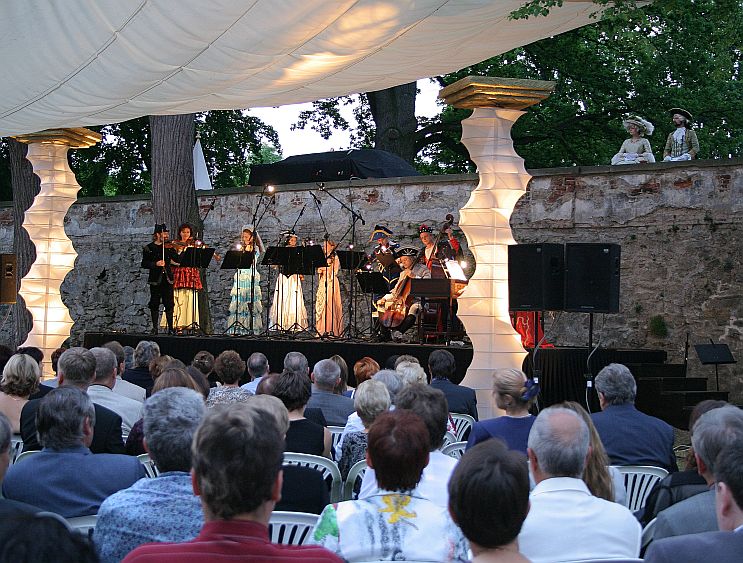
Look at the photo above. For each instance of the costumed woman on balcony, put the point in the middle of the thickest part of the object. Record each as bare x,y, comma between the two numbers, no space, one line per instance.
636,149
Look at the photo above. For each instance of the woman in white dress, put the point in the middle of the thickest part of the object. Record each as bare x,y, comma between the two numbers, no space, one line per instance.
287,310
635,150
245,296
328,307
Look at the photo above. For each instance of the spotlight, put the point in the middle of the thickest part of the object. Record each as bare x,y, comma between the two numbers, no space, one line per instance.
238,246
350,246
270,189
463,263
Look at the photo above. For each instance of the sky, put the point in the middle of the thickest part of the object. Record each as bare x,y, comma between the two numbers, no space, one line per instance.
309,141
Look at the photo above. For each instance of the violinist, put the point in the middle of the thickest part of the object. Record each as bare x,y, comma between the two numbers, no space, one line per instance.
187,282
383,255
435,250
159,260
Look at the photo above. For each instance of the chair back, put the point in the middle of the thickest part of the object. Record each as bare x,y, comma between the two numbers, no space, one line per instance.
449,438
638,481
647,533
83,524
16,447
356,473
462,423
149,465
291,528
24,455
625,560
327,467
335,434
455,450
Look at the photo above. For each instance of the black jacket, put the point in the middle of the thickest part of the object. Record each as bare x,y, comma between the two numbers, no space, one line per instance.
461,399
152,253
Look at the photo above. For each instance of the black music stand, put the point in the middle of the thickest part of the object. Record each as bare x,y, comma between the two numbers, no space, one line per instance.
714,354
431,289
372,283
350,259
237,260
195,257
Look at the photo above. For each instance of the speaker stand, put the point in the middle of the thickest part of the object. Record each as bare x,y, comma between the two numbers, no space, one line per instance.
590,331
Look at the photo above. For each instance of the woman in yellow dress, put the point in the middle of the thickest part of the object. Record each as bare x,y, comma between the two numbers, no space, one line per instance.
328,307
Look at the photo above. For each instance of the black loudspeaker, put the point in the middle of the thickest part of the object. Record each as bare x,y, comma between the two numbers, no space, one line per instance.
7,278
535,277
592,277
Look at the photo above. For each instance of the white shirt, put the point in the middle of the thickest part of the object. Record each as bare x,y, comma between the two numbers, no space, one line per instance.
566,523
128,409
434,481
353,424
128,389
252,386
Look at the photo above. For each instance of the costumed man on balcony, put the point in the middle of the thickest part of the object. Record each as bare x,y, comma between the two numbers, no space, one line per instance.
682,144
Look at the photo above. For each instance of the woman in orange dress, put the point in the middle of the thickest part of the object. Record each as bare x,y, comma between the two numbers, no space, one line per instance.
186,284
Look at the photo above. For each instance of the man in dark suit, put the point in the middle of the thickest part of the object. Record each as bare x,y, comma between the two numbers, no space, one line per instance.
336,408
76,368
629,436
144,353
725,546
461,399
9,509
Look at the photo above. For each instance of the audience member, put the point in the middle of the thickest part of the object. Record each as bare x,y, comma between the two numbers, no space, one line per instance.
121,386
77,369
32,538
715,431
565,522
405,358
20,380
326,376
53,382
396,522
9,509
101,390
725,545
266,385
342,387
128,357
157,365
443,368
65,477
297,362
411,372
36,353
229,367
257,369
204,362
202,383
363,370
489,500
5,354
390,362
371,400
144,353
163,509
236,440
630,436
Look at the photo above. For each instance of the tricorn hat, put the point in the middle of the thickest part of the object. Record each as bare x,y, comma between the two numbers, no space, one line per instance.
645,127
380,231
680,111
160,228
407,251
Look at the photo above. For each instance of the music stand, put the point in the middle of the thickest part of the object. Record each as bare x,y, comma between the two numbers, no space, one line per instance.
237,260
351,259
195,257
714,354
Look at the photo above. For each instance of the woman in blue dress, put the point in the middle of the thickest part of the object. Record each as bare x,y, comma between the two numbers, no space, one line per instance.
245,295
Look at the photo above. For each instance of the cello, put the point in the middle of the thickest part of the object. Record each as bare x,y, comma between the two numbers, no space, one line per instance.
396,309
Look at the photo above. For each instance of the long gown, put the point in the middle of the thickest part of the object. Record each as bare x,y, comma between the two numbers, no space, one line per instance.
288,310
328,307
186,287
244,301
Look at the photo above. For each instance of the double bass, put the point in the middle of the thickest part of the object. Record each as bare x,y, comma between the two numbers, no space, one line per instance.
394,311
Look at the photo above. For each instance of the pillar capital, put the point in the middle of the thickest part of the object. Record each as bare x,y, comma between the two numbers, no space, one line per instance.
496,92
73,137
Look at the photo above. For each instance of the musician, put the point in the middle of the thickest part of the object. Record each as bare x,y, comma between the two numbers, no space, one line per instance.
411,268
187,282
432,255
159,260
383,256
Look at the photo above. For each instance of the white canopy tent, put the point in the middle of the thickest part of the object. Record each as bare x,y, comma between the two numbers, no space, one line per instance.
89,62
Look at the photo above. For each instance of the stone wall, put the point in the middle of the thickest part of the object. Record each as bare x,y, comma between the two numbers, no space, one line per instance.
679,225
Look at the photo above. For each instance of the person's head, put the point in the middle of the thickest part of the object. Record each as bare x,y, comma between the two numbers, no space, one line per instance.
510,390
120,354
65,418
406,358
30,538
20,376
370,400
326,375
391,380
55,358
489,495
157,365
199,379
185,232
76,367
257,365
293,389
391,361
292,240
229,367
266,384
174,377
160,233
246,238
699,409
441,364
5,436
398,449
237,455
426,235
342,385
297,362
430,404
145,352
558,444
105,366
36,353
273,406
171,417
128,357
729,488
364,369
411,372
616,386
203,361
715,431
406,262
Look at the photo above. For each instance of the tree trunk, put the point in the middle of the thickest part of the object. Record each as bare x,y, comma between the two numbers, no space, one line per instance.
393,110
173,194
26,185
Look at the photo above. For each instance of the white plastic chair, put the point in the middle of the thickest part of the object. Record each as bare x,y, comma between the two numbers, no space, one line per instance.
449,438
24,455
83,524
16,447
638,481
648,532
327,467
455,450
625,560
356,473
462,423
291,528
335,434
149,465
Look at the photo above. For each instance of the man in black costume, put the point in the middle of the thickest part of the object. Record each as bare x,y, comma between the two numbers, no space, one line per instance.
159,261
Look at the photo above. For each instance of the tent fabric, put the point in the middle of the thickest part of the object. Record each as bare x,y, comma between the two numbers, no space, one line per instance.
89,62
331,166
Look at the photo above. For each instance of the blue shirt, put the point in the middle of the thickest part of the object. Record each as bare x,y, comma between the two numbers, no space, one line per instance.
513,431
163,509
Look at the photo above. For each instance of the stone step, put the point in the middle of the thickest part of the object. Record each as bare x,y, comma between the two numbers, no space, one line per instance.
673,383
691,398
642,371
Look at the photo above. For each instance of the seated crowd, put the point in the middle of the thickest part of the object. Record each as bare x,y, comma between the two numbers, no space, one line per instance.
530,486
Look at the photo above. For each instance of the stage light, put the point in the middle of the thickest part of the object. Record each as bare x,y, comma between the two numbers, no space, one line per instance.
463,263
350,246
270,189
238,246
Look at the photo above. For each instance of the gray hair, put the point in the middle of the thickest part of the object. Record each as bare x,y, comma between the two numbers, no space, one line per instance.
273,406
5,433
118,350
128,357
715,431
77,366
411,373
616,383
391,380
370,400
145,352
296,362
171,417
326,374
560,438
105,363
59,420
257,365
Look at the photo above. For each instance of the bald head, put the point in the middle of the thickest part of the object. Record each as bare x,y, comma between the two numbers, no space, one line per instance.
558,443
